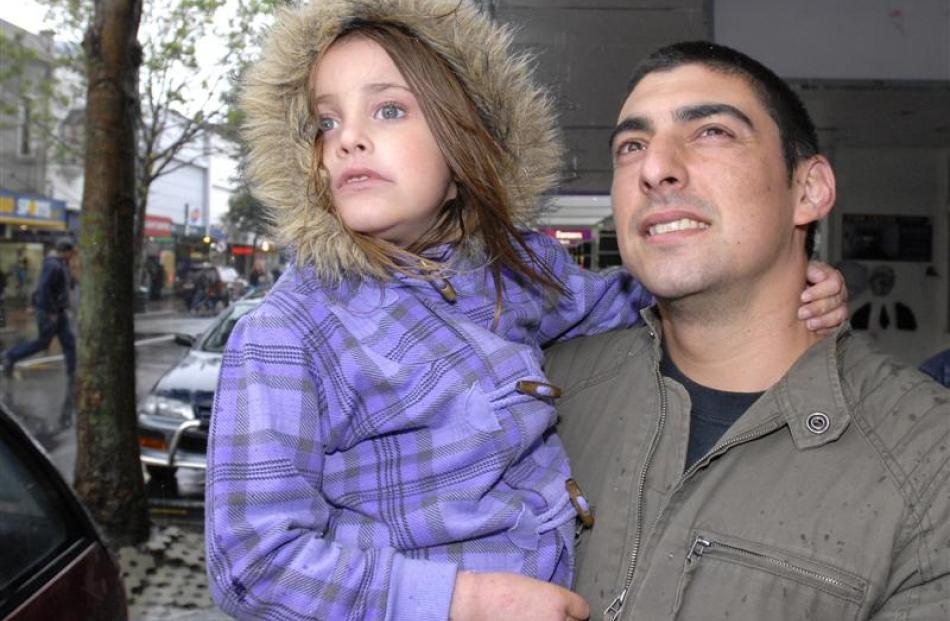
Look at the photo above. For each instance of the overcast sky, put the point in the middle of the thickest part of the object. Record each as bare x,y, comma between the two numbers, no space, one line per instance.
26,14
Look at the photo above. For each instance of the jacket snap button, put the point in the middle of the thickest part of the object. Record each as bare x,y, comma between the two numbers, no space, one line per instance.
817,422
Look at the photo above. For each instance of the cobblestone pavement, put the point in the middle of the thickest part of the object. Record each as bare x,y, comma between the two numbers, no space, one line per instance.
165,577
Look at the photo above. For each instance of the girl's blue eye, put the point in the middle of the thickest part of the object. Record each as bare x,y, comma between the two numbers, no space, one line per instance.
326,124
390,111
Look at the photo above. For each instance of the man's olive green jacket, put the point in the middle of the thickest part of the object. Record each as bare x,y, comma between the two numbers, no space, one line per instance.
828,499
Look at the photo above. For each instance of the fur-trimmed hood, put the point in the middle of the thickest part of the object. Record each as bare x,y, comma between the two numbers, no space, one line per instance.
280,132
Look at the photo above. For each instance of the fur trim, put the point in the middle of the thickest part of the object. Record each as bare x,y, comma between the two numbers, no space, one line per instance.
280,133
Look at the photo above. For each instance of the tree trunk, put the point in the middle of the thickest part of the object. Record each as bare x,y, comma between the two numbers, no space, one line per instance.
108,472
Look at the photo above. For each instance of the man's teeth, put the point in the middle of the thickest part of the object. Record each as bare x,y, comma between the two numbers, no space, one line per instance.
683,224
357,178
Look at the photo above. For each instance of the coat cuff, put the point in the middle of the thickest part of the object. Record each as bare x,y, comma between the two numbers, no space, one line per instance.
421,590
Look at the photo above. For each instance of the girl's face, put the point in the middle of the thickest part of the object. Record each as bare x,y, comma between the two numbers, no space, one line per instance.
388,177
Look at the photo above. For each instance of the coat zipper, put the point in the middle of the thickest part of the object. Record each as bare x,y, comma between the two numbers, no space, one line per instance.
613,611
701,545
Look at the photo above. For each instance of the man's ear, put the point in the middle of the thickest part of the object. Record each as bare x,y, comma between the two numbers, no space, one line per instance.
816,190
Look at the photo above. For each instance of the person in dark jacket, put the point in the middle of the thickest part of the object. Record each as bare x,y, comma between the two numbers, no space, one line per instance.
938,367
50,306
739,466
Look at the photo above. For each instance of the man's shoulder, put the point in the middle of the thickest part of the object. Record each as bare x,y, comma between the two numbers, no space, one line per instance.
873,380
594,358
903,412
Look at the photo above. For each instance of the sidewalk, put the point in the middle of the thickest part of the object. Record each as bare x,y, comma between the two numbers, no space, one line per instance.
165,578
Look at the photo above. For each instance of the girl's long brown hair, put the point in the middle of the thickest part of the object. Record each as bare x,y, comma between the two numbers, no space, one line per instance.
475,157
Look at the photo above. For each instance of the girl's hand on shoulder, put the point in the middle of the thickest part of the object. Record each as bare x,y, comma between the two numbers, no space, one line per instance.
825,301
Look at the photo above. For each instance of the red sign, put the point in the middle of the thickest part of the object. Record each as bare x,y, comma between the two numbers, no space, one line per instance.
158,226
569,237
241,250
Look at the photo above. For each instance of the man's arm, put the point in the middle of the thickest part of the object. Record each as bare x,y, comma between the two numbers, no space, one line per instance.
918,582
923,567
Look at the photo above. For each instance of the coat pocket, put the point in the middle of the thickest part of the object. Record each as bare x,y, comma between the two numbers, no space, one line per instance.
727,577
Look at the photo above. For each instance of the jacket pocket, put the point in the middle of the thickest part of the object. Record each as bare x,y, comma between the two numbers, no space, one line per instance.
727,577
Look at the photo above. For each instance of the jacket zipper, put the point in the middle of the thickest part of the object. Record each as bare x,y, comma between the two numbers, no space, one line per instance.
613,611
722,448
701,545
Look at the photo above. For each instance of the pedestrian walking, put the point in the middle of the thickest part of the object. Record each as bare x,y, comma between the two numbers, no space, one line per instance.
50,308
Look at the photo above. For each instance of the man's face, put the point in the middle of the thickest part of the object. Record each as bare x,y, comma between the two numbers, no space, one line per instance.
701,195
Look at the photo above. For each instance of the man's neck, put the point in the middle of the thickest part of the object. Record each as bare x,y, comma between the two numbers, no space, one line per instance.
736,344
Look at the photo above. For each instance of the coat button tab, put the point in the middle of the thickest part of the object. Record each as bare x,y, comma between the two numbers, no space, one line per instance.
817,423
581,506
538,389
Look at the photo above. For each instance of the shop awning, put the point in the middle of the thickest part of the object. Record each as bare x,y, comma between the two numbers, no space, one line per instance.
32,211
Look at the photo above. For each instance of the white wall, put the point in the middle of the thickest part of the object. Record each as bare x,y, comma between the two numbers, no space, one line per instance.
909,182
223,175
169,194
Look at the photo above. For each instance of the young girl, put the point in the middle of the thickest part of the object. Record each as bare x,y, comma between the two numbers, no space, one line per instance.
382,419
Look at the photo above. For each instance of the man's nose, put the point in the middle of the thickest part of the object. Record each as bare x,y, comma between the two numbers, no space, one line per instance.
663,167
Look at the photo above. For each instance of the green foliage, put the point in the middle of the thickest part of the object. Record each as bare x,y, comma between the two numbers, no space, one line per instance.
246,214
192,51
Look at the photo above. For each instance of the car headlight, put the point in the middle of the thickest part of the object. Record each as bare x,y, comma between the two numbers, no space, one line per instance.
154,405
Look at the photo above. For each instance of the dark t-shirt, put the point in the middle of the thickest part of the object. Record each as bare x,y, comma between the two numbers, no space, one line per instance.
712,413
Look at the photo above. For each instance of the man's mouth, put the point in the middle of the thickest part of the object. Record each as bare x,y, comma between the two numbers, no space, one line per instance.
683,224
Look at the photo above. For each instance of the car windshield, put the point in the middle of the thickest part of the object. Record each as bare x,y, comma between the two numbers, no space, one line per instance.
218,336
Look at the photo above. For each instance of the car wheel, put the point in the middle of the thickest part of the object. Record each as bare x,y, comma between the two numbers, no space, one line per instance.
162,482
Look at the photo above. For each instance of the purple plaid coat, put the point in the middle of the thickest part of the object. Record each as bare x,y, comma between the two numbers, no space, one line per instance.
369,440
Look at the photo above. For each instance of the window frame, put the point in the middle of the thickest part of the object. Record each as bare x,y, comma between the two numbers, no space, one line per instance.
81,532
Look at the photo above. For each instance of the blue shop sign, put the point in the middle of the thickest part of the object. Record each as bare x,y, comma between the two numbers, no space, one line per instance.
32,210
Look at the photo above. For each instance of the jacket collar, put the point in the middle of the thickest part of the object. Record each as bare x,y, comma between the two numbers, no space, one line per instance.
809,396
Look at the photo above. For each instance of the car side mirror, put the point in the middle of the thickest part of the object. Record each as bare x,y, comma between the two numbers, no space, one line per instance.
186,340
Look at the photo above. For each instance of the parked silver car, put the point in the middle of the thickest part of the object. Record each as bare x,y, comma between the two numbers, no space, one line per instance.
173,419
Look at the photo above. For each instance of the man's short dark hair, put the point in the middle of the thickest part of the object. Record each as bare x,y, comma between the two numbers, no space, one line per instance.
64,245
796,129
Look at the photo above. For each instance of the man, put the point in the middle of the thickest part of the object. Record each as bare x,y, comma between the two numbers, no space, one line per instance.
739,466
50,305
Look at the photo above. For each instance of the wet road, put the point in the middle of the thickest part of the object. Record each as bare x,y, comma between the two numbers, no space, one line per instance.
37,395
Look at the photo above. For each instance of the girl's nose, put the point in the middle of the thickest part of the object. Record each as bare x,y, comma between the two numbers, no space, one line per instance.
353,139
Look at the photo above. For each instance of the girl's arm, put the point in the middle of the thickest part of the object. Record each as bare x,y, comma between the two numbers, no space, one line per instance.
824,303
595,302
266,518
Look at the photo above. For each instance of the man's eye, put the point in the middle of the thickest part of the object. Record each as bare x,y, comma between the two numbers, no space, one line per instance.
390,111
326,124
714,132
629,146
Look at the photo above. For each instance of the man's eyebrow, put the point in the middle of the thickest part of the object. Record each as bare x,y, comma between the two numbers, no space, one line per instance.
702,111
630,124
